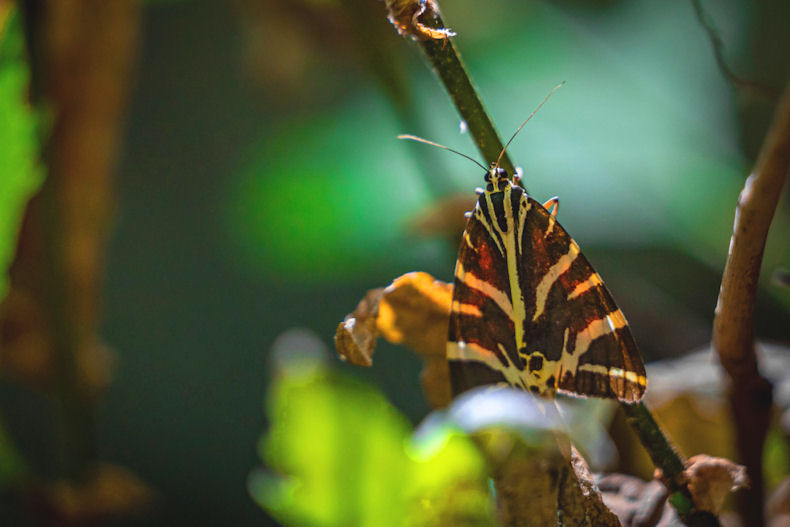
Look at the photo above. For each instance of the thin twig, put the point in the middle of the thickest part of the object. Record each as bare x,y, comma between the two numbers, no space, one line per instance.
718,51
446,61
733,333
666,458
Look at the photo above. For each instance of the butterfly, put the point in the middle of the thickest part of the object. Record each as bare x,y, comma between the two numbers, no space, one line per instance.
528,309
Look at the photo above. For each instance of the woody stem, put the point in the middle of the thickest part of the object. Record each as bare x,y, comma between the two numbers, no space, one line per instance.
446,61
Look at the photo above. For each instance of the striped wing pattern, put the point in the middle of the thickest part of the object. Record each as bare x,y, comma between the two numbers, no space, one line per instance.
529,310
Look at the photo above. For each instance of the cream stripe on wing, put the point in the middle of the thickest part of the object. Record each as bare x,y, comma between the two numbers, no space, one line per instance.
495,223
468,241
487,225
554,272
617,373
516,295
468,351
467,309
550,228
561,369
497,295
593,281
594,330
522,218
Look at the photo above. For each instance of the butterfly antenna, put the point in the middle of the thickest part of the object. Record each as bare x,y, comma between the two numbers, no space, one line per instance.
502,153
421,140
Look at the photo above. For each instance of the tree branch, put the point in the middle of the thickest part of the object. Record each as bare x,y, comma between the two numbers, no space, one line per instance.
750,393
59,265
446,61
718,52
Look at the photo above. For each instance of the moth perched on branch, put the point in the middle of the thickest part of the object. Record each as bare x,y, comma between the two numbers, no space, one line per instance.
528,309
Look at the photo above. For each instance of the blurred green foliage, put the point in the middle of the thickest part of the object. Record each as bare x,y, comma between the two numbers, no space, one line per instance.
20,175
325,215
776,457
19,178
345,456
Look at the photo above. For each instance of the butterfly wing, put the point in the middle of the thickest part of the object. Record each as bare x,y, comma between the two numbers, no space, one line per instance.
481,346
529,310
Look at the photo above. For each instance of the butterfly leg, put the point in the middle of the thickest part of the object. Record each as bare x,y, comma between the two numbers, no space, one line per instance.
553,202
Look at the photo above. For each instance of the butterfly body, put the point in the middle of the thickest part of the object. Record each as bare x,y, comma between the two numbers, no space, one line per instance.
529,310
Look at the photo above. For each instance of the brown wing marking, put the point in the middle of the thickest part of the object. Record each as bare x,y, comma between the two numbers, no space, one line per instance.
481,346
575,323
575,339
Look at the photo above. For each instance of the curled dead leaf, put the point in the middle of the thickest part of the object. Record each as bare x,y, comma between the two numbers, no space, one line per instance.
356,336
413,311
405,16
710,479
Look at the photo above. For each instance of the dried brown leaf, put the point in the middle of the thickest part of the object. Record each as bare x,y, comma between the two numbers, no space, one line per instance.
435,380
710,479
413,311
355,338
405,16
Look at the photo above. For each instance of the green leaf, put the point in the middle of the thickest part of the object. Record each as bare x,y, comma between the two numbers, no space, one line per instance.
343,456
341,444
19,178
448,484
20,174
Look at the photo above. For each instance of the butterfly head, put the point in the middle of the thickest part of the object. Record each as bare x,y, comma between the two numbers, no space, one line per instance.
496,179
